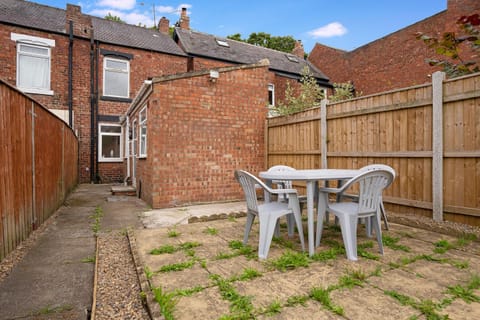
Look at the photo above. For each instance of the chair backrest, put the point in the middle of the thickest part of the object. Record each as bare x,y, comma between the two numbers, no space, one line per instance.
371,185
285,184
377,166
249,182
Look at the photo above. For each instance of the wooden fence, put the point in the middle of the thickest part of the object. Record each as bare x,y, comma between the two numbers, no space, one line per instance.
429,134
38,165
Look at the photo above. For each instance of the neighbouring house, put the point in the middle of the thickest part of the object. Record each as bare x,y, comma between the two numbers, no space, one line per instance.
193,130
207,51
396,60
86,70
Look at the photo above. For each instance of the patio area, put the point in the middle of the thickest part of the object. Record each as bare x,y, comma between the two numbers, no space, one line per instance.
201,270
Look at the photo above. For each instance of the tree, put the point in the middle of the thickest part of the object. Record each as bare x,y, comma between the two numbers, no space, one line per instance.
113,18
343,91
450,45
309,95
284,44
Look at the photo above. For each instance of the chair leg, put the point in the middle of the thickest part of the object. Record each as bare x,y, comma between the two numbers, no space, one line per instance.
348,224
248,227
297,216
377,226
267,228
290,224
384,215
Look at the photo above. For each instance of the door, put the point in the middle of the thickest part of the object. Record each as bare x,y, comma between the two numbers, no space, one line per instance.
133,152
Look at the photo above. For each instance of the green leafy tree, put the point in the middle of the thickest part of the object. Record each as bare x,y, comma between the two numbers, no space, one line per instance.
343,91
309,95
449,45
280,43
113,18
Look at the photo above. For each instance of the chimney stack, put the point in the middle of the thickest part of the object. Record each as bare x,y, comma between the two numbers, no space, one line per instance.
298,49
164,25
184,21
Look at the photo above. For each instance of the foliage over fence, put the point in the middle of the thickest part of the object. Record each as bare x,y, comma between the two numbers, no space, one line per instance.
38,165
430,134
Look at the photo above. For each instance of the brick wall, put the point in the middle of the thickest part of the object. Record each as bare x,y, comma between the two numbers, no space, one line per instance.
200,131
144,64
394,61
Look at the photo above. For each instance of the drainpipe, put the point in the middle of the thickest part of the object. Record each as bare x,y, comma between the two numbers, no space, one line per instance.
96,111
127,149
70,77
92,111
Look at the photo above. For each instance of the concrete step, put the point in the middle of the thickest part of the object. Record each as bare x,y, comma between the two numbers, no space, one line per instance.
124,191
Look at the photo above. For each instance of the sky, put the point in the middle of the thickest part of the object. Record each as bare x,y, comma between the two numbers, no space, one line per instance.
341,24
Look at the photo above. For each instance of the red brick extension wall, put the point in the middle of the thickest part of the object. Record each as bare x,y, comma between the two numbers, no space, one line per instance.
199,132
394,61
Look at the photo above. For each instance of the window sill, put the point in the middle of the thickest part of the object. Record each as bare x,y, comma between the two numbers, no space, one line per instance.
37,91
110,160
116,99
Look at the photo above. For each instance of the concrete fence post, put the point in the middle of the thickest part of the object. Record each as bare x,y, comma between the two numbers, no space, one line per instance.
437,145
323,133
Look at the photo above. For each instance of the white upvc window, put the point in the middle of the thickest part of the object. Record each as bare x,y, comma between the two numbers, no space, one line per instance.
116,77
109,142
142,120
33,63
271,94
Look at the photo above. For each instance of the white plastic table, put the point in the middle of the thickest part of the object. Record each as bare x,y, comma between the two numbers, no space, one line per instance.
310,176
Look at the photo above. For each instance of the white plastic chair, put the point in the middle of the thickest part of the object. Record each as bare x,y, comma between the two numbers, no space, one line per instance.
371,185
354,197
268,212
287,184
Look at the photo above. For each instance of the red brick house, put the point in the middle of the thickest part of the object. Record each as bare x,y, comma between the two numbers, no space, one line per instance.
394,61
208,51
87,70
193,130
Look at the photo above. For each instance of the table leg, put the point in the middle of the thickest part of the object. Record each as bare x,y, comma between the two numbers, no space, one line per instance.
310,216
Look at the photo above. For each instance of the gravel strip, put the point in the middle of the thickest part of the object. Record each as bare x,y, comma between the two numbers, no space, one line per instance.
118,291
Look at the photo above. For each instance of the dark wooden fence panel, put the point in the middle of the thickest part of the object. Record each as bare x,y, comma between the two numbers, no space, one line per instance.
38,165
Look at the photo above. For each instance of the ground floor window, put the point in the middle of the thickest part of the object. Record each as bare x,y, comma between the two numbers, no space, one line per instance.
143,132
110,142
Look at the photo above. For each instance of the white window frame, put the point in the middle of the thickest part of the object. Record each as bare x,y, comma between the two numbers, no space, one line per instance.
101,134
271,88
123,71
35,42
142,141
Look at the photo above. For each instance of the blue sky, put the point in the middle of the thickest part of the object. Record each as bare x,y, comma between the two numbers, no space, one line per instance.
342,24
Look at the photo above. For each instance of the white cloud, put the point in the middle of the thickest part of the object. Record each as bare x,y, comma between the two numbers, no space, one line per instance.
129,17
116,4
330,30
173,10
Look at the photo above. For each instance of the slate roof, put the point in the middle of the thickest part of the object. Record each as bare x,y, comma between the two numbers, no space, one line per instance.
205,45
32,15
35,16
132,36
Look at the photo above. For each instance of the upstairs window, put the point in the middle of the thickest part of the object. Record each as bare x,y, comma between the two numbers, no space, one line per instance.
110,142
33,63
142,119
116,78
271,94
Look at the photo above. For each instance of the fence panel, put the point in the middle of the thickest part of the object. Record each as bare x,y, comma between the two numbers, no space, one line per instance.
396,128
38,165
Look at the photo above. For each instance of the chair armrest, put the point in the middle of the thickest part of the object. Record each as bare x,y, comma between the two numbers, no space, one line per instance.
331,190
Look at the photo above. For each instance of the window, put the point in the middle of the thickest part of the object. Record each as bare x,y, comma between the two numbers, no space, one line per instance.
33,63
143,132
292,58
222,43
116,78
271,94
110,142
